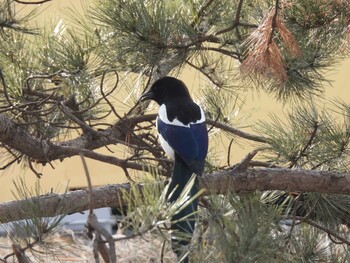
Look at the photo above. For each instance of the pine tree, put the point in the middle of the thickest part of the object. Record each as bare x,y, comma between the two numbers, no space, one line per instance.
70,90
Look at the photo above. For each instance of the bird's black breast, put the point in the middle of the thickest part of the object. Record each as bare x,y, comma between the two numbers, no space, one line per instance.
185,111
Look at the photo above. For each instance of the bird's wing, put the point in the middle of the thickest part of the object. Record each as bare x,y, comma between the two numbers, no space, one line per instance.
189,143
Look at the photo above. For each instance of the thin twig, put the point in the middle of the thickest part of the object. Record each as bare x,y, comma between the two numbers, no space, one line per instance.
88,178
235,131
146,103
263,164
28,246
4,167
162,252
117,161
229,153
273,22
203,71
22,107
60,73
244,164
33,169
95,249
13,154
127,175
294,215
82,124
137,234
216,119
238,12
328,231
112,90
19,254
96,226
102,248
309,213
215,34
201,12
32,3
334,241
307,145
2,78
233,54
93,222
235,24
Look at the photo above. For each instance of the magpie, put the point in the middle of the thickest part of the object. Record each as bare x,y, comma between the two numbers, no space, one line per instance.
183,135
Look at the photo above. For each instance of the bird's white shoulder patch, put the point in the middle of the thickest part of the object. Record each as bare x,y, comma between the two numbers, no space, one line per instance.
162,114
166,147
202,119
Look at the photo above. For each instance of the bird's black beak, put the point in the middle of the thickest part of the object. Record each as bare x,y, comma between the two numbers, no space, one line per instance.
148,95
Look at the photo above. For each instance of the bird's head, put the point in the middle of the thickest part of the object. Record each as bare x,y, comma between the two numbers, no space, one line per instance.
166,89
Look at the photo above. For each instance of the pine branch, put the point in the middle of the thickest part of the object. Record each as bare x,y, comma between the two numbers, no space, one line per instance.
308,144
330,232
201,12
44,151
222,182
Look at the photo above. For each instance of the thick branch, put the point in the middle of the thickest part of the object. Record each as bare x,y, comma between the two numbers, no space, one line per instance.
14,136
43,151
217,183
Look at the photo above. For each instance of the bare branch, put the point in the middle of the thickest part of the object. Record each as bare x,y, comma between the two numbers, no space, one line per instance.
81,123
229,152
243,165
104,96
233,54
88,179
201,12
235,131
93,225
12,135
238,12
19,254
43,151
32,3
38,174
204,71
92,221
124,164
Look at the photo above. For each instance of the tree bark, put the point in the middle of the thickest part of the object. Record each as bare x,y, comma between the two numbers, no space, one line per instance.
44,151
221,182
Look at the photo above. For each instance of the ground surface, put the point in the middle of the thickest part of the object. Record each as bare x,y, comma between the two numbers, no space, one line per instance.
73,248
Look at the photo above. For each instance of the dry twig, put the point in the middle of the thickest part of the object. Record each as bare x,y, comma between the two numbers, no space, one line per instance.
108,254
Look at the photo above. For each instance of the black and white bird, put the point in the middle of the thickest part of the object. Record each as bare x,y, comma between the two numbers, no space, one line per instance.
183,135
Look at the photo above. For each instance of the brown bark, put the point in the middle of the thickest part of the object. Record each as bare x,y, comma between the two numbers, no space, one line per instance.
221,182
43,151
14,136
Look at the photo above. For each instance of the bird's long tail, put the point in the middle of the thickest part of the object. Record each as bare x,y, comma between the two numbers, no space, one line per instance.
182,228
